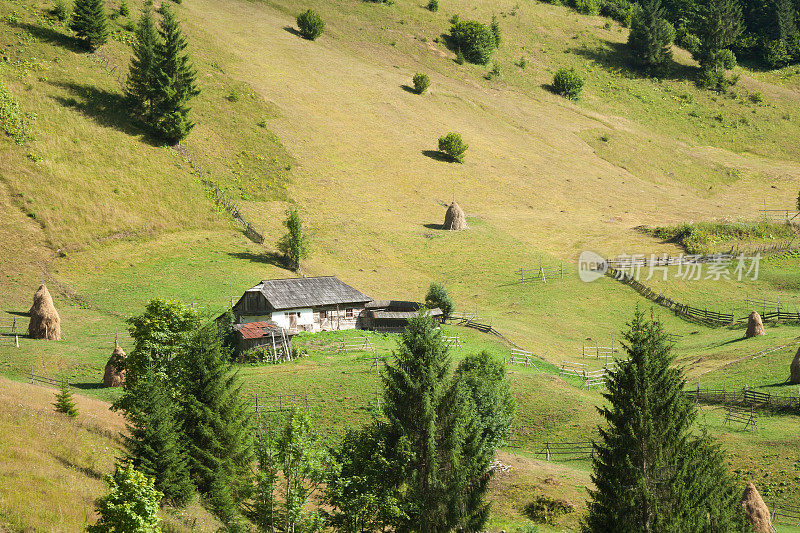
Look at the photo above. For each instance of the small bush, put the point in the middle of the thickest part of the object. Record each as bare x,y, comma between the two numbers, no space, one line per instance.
61,10
495,27
124,10
690,42
438,297
433,6
545,510
12,120
452,145
493,73
475,40
460,58
756,97
587,7
310,25
568,83
522,63
619,10
421,82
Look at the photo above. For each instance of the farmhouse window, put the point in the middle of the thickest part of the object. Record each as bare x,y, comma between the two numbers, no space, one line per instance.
348,313
323,315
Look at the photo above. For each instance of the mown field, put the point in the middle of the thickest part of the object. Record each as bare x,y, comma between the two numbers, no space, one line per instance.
110,219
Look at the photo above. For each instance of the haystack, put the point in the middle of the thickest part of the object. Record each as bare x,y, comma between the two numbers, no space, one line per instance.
455,219
756,510
45,322
755,326
794,369
114,375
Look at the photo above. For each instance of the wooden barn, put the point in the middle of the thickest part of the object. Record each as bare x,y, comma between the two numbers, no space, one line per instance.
393,315
259,334
303,304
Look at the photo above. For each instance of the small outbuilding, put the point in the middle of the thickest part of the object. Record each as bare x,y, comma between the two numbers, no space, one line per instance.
262,334
393,315
303,304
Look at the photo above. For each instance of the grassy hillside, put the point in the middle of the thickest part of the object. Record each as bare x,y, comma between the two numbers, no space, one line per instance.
109,218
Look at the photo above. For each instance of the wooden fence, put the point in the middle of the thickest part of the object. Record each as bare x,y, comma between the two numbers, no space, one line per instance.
784,215
567,450
15,329
784,513
38,379
522,357
541,274
746,396
360,344
695,314
744,416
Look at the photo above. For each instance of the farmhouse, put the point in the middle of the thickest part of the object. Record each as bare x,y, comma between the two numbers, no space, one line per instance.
303,304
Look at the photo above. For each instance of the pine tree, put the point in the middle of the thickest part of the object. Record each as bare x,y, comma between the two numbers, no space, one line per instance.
89,22
718,23
495,27
650,473
651,36
64,403
175,81
154,446
215,420
141,83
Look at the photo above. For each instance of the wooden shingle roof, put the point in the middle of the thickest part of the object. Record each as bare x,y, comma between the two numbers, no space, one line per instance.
295,293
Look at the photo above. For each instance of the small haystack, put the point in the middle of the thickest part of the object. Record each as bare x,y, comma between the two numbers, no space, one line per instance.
45,322
756,510
794,369
755,326
455,219
114,375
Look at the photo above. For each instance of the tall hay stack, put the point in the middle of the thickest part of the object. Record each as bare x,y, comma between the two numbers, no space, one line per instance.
114,375
45,322
794,369
755,326
756,510
455,219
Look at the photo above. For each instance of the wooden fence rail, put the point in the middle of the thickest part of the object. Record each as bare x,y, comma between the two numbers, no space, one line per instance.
522,357
784,513
362,344
746,396
567,450
540,274
38,379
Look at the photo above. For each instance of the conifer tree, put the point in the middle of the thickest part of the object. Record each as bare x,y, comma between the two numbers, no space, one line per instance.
718,23
175,81
215,421
650,473
294,244
154,445
89,22
64,402
651,36
141,83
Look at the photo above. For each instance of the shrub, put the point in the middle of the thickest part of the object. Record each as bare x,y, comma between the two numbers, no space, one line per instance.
522,63
421,82
310,25
545,510
452,145
619,10
130,505
691,43
474,40
756,97
568,83
494,72
775,54
124,10
460,57
495,27
433,5
61,10
587,7
437,297
12,120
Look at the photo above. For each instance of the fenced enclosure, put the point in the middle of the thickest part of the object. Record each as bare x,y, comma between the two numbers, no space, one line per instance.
541,274
772,309
590,378
778,215
522,357
38,379
12,328
785,514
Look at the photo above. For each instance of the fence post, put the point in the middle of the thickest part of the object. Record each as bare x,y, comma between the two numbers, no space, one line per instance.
547,449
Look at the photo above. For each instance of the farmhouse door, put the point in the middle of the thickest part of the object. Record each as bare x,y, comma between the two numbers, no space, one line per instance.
293,321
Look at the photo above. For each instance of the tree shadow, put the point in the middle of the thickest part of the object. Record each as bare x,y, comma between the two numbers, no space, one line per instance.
91,472
408,89
436,155
51,36
266,258
733,341
293,31
106,108
91,385
786,383
617,57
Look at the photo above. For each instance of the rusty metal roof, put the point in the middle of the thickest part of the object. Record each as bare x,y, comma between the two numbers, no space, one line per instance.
258,330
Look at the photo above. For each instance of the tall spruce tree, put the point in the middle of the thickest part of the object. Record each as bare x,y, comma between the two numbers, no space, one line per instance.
651,36
141,83
154,445
650,472
215,421
174,83
717,23
89,22
440,449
